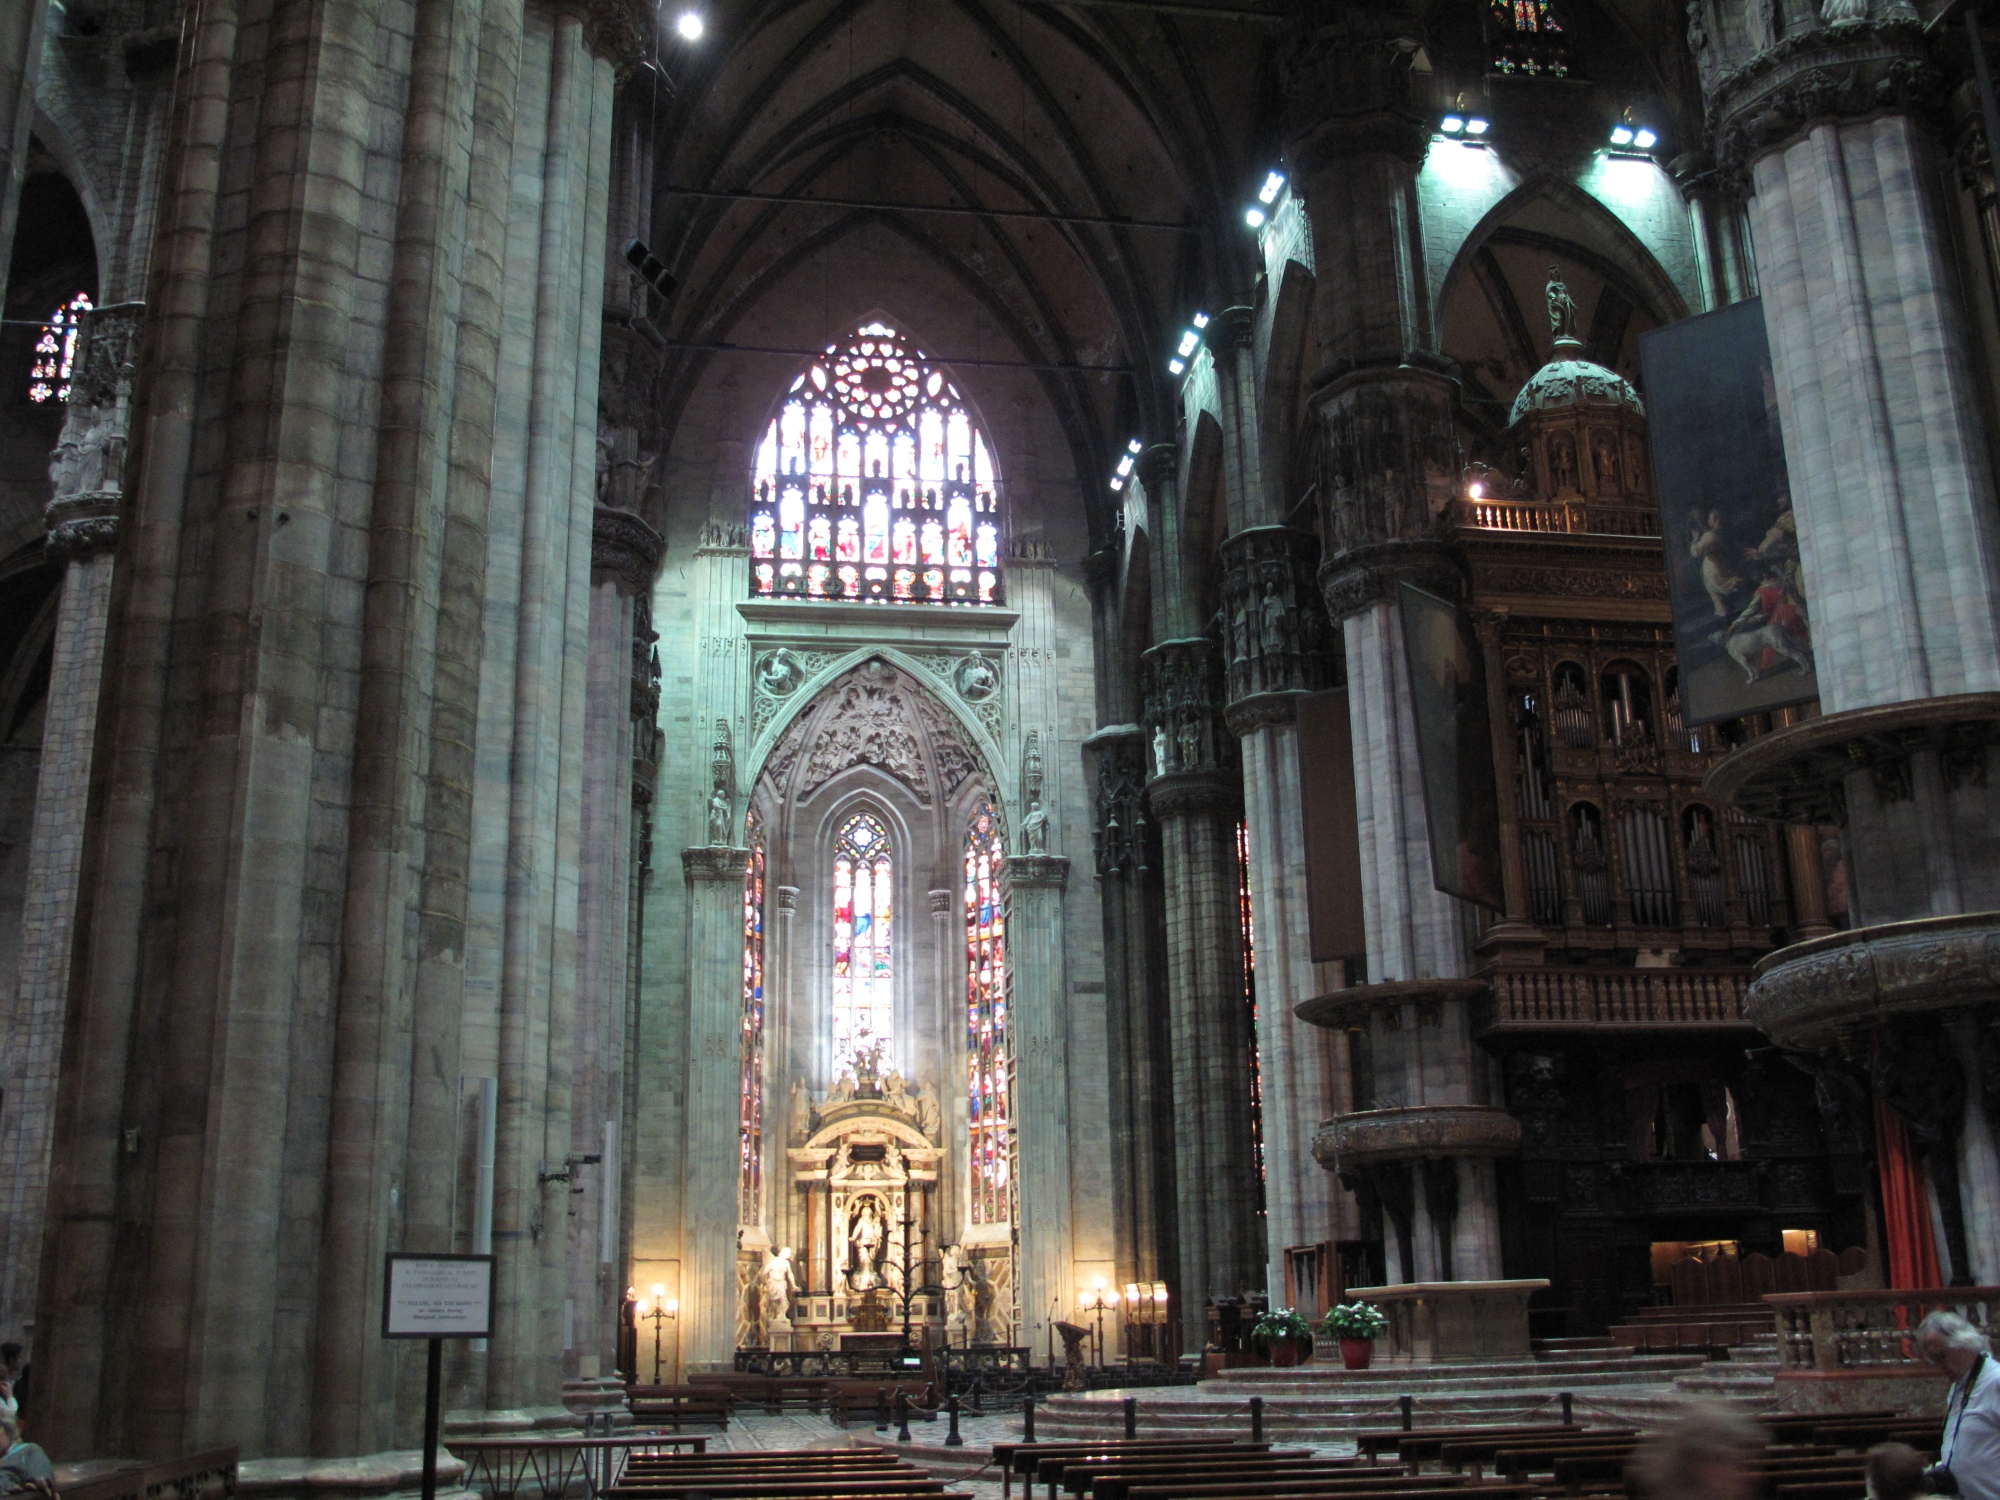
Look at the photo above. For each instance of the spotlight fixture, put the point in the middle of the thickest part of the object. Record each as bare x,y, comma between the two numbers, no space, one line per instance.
1621,135
1274,184
1117,485
1133,446
1201,320
1254,217
1475,126
1190,341
690,25
1644,138
1451,125
1125,465
1175,366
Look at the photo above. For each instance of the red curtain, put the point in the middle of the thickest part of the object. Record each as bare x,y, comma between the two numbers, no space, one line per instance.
1906,1207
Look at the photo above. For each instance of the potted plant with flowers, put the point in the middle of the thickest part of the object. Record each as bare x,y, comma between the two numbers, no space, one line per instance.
1286,1335
1357,1325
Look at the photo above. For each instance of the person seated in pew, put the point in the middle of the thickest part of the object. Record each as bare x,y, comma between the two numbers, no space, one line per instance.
1896,1472
1969,1463
23,1466
1704,1453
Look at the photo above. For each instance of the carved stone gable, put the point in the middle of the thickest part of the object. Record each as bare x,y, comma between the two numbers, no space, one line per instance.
870,725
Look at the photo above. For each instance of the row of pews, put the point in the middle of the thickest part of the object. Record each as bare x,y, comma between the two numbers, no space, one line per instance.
779,1474
1809,1458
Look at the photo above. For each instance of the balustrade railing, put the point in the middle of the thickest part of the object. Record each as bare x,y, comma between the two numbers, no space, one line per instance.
1578,516
1619,996
1866,1330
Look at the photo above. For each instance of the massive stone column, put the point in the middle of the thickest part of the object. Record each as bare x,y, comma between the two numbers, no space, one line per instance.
1196,801
343,723
1358,127
714,1092
1832,132
1277,640
21,30
1036,978
88,472
1142,1134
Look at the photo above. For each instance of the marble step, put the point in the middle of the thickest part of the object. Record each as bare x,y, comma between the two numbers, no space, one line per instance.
1328,1378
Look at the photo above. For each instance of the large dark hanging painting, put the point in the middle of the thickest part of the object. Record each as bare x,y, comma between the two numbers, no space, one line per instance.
1454,746
1740,620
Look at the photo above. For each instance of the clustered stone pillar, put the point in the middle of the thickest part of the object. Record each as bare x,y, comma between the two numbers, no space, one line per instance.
87,474
1195,800
1277,641
1142,1178
1358,129
21,30
1832,133
331,862
1035,884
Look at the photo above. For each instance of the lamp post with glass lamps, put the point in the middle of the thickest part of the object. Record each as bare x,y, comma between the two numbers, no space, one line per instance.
1096,1300
663,1307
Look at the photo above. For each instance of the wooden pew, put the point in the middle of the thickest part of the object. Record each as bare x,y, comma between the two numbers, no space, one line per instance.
1280,1489
1021,1458
679,1403
1119,1484
1428,1442
1477,1450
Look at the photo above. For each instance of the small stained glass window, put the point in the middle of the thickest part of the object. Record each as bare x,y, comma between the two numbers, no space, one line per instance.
987,1043
56,351
864,1008
1529,42
875,465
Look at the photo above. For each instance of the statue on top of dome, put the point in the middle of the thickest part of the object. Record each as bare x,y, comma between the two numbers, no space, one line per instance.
1562,308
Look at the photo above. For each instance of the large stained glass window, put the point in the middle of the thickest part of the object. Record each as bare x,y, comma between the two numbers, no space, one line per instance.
752,1041
1250,1001
55,351
863,975
875,483
987,1042
1528,40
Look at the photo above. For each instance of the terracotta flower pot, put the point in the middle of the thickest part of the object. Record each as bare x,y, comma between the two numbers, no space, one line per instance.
1355,1354
1287,1352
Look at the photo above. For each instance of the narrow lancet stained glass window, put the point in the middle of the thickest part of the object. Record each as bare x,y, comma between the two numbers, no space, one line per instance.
1529,42
1250,1001
752,1042
874,483
55,351
863,976
986,1022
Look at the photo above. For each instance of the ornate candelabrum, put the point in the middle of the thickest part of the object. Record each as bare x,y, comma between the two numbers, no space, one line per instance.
1097,1301
658,1311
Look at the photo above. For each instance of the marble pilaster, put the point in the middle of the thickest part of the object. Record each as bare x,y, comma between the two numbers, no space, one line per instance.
1037,980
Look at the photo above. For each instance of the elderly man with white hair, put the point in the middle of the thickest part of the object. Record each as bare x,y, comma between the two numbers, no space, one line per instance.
1969,1460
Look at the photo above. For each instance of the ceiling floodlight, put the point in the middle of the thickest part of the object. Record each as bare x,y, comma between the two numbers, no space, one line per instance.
1254,217
1644,139
1273,185
690,25
1201,320
1175,366
1133,446
1475,127
1451,125
1621,135
1190,341
1117,484
1125,465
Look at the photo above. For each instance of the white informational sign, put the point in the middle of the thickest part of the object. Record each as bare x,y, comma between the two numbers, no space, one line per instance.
438,1297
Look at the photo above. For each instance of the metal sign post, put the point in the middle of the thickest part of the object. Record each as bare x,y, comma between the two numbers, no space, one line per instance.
434,1298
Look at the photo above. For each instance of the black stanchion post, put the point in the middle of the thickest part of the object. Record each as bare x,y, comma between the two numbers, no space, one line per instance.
902,1415
952,1439
881,1408
1408,1403
1131,1405
433,1396
1569,1412
1028,1417
1256,1419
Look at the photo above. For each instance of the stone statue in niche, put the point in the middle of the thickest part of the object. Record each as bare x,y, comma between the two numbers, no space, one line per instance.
1035,829
721,819
802,1112
1604,456
867,1244
1562,463
722,776
955,1276
777,1284
930,1114
1562,307
1277,614
1160,766
896,1094
779,674
1190,745
843,1089
976,679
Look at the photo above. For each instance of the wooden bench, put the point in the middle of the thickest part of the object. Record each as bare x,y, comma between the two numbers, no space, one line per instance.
781,1474
678,1404
1282,1489
1393,1439
1794,1429
1082,1476
1021,1458
1120,1484
1478,1451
